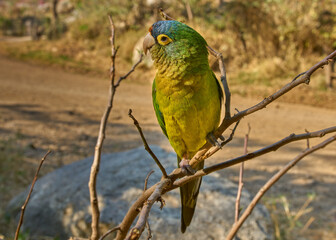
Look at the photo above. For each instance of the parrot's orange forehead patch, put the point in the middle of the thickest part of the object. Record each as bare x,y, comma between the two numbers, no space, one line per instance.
150,29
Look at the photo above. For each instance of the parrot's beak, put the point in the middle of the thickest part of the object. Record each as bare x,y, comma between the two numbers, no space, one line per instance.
148,42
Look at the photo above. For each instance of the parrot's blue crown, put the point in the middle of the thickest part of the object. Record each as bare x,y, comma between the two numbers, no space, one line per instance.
164,27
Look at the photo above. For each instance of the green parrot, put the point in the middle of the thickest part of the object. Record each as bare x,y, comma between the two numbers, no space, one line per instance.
187,97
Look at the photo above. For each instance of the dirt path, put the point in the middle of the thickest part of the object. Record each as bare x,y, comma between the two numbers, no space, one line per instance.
42,108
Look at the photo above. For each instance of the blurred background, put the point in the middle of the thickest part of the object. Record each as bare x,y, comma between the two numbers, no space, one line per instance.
54,61
262,41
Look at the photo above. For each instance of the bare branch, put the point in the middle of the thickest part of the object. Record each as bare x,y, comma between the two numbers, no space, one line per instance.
148,149
137,230
149,231
146,180
227,92
101,136
100,140
273,147
241,175
299,75
23,208
272,181
132,70
301,78
165,15
109,232
307,139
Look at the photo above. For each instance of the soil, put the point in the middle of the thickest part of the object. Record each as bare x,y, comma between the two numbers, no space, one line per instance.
45,108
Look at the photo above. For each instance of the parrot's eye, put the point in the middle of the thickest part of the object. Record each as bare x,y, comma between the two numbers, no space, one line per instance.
164,39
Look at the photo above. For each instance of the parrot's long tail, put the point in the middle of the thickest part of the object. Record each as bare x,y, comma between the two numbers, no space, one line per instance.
189,193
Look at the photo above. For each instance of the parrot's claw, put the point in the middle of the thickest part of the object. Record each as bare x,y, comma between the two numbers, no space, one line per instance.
212,139
186,168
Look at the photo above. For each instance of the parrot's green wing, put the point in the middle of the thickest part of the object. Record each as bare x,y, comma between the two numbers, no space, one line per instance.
158,113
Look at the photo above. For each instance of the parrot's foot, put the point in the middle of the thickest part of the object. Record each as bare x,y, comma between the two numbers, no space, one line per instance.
213,140
186,168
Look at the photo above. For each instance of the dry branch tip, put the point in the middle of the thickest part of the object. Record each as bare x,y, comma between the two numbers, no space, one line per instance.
23,208
147,148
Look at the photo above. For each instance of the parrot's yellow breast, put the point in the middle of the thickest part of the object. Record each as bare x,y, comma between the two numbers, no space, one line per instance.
191,110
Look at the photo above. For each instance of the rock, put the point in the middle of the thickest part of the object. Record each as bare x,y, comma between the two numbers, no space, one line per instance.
60,206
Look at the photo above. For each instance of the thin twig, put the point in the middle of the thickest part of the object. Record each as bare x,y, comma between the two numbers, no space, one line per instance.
272,181
149,231
101,136
308,145
241,175
109,232
23,208
165,15
226,89
148,149
146,180
132,70
299,75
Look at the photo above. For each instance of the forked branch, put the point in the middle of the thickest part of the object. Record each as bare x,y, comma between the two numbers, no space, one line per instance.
137,230
101,136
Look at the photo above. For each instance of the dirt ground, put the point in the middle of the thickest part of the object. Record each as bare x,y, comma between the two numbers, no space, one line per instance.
45,108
